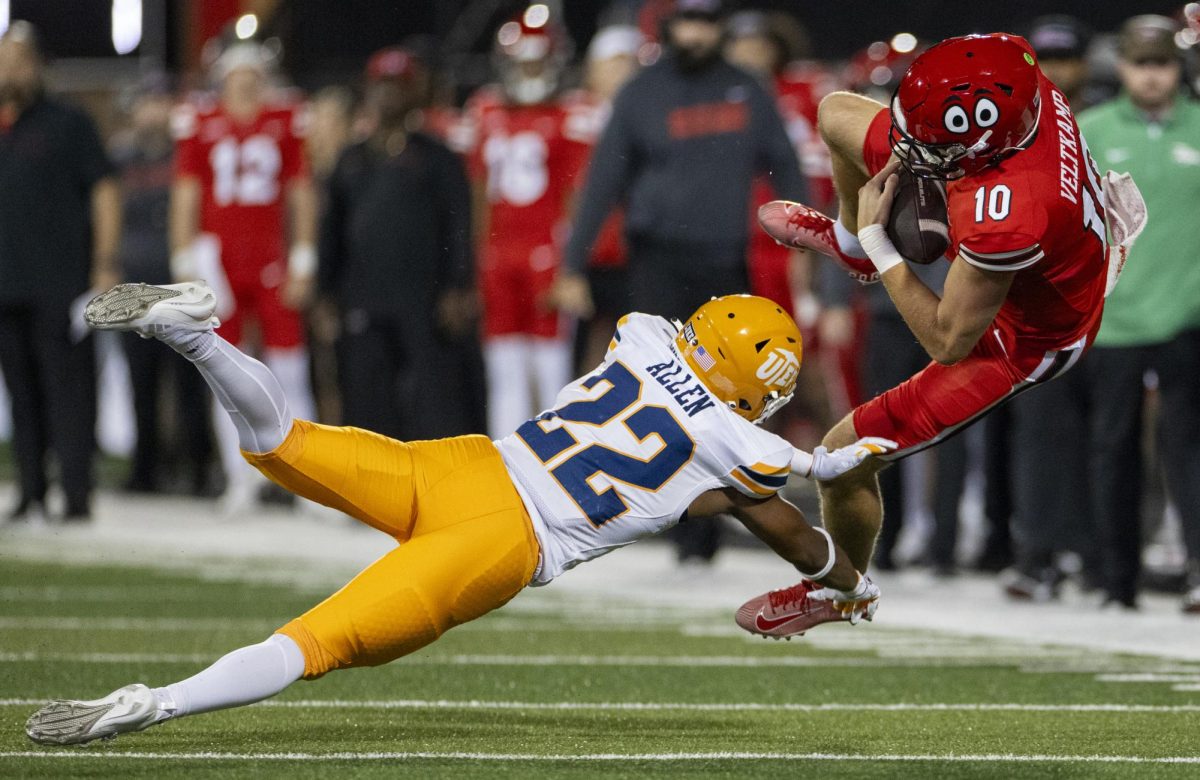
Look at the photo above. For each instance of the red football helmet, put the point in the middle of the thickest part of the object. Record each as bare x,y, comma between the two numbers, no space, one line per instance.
965,104
530,54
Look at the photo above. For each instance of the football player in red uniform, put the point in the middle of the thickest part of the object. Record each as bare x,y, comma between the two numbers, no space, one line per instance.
1026,288
241,181
529,147
763,44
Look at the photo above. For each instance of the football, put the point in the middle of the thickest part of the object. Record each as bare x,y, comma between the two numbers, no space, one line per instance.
918,225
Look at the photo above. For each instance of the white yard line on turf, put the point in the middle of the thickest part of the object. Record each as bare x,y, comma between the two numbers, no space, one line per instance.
135,624
122,593
637,706
599,757
1148,677
108,658
710,661
1165,673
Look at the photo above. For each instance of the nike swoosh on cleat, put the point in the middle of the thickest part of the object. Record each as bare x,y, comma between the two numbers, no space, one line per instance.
766,624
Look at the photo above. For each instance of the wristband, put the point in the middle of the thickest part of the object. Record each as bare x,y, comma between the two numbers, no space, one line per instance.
828,567
879,248
802,463
302,260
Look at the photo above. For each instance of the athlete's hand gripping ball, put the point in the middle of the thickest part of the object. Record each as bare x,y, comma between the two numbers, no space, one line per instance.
875,197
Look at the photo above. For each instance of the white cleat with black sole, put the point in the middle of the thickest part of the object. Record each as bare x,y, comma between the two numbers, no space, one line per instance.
66,722
148,308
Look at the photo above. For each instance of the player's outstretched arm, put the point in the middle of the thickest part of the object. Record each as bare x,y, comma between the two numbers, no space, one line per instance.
783,527
831,589
823,464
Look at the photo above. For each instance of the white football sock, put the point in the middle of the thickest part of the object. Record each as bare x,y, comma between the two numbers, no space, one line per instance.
509,399
242,677
290,367
847,241
244,387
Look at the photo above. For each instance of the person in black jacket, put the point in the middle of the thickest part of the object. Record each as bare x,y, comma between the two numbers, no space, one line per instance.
143,155
60,221
685,141
396,259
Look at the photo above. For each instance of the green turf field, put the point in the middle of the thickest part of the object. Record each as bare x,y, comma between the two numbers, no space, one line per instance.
558,687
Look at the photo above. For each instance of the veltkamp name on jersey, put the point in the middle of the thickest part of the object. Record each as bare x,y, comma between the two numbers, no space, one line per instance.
683,387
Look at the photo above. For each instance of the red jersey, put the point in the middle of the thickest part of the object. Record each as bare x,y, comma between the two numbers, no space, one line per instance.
243,170
798,91
530,159
1040,213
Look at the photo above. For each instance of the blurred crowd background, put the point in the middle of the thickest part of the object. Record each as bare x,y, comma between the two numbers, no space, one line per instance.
426,217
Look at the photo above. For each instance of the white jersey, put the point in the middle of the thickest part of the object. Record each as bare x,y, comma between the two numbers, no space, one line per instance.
627,449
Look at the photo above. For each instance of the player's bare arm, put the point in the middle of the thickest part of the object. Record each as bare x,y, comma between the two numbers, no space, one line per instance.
947,327
783,528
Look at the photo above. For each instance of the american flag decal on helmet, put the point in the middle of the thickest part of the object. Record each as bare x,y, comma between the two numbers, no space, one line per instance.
703,359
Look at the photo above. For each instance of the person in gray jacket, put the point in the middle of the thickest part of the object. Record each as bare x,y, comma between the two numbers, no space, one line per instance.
686,139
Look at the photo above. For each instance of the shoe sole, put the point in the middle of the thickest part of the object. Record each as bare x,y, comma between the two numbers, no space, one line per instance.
123,304
66,723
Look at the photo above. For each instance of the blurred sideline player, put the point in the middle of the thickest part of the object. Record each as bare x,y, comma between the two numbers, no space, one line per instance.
529,146
769,45
762,44
662,429
612,59
241,181
1025,292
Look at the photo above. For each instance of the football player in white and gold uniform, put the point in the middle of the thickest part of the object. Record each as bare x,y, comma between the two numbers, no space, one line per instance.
662,429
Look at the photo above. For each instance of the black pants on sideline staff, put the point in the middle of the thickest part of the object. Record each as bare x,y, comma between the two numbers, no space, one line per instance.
405,387
1051,499
893,354
997,551
154,369
672,281
52,384
1115,375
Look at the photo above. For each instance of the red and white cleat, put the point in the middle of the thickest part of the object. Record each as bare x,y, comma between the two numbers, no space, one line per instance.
790,612
800,227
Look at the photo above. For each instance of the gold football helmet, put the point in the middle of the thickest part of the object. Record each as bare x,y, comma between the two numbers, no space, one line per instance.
746,350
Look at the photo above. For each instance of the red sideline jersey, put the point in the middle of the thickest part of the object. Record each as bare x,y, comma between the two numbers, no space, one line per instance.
529,159
798,92
243,170
1039,214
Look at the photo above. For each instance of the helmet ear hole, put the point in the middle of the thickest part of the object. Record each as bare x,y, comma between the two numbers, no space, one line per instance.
744,404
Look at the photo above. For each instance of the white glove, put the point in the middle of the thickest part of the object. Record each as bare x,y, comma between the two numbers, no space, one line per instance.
824,464
855,605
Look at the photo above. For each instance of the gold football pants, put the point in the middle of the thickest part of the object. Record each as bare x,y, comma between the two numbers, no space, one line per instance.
466,542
